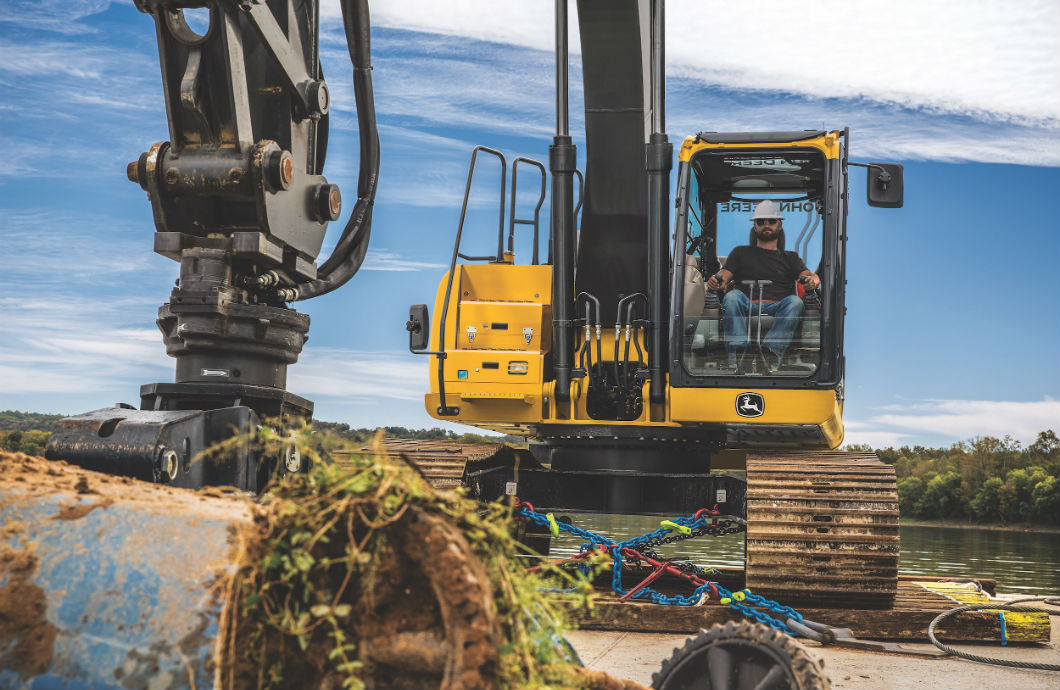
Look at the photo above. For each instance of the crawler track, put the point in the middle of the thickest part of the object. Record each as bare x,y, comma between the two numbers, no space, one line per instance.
440,462
822,528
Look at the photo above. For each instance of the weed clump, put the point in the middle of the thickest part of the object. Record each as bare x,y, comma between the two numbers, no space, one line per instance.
362,575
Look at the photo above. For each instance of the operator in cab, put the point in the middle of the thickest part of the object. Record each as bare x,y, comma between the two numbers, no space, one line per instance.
763,259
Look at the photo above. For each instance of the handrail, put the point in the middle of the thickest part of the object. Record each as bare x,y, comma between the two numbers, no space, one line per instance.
512,220
443,409
581,190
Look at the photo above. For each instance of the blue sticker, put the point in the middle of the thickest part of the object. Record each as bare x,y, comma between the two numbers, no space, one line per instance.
461,373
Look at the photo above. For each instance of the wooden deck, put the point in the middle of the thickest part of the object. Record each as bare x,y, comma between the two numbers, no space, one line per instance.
914,608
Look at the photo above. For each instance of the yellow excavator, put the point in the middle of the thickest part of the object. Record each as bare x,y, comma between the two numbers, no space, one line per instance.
642,390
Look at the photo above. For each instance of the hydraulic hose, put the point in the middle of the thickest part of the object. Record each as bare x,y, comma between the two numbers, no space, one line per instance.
349,252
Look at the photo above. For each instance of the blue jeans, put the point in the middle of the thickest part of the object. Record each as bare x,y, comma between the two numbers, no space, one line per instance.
786,314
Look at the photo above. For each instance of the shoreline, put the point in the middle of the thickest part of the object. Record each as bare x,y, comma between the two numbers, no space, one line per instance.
1035,529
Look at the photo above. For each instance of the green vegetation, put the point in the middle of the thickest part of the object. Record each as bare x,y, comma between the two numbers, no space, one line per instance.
365,435
331,551
29,442
28,432
11,420
984,480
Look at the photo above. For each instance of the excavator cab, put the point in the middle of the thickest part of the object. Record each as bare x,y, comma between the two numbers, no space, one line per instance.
721,179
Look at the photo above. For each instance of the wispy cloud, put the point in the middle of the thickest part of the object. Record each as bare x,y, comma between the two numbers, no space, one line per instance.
988,58
365,377
954,420
41,250
913,80
386,260
59,16
76,345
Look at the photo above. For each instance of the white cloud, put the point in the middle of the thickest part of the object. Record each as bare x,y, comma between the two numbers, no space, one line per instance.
914,81
39,246
978,57
955,420
60,16
358,375
385,260
77,345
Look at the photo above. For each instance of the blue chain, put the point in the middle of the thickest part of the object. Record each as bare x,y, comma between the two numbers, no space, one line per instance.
735,601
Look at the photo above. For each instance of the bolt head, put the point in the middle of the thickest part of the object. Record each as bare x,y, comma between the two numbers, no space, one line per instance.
328,202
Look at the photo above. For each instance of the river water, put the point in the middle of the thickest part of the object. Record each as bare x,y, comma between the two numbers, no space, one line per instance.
1021,562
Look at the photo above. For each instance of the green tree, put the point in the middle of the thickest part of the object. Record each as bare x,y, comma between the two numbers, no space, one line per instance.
1045,451
941,498
910,491
1046,501
986,503
11,440
1023,482
1008,503
902,466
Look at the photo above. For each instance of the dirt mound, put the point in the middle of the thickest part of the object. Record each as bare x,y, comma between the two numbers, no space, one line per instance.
353,576
35,475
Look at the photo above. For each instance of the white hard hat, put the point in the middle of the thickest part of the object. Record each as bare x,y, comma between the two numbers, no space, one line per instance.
767,209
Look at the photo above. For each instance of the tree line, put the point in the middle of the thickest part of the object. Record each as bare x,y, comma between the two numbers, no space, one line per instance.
983,480
28,432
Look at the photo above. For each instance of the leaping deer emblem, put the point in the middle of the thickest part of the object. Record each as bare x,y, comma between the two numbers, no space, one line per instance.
747,406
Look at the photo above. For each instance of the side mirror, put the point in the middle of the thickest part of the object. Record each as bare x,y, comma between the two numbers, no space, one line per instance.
419,327
885,185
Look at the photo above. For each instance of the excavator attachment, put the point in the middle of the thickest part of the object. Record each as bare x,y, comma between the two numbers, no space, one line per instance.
239,200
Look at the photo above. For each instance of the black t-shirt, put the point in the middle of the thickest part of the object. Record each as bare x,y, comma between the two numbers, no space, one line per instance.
754,263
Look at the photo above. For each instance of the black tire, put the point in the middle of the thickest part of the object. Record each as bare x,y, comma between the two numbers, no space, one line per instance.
739,656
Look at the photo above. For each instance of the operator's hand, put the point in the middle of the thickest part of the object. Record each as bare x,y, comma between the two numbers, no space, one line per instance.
714,282
809,281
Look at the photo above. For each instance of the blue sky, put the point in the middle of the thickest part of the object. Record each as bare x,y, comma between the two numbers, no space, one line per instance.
953,327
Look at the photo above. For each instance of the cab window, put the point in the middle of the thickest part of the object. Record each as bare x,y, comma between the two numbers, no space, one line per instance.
773,327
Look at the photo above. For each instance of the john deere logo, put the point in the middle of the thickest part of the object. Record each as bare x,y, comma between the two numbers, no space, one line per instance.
750,405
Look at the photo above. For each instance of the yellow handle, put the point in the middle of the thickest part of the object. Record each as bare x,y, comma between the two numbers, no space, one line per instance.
552,526
673,525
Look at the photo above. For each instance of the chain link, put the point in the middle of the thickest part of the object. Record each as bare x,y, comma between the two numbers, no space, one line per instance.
641,548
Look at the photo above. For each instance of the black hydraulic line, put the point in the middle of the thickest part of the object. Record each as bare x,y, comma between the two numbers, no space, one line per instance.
625,353
636,343
562,164
619,325
587,350
585,343
349,252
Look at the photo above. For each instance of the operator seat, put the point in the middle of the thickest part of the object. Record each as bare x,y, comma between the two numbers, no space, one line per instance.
702,321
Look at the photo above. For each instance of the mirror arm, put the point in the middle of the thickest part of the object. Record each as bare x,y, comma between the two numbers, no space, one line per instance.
884,178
